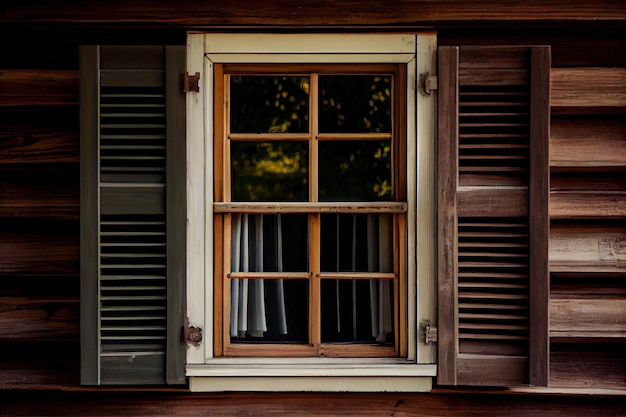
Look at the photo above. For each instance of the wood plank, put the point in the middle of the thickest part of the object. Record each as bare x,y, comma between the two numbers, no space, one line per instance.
492,77
316,207
492,201
39,363
494,370
37,253
591,316
26,87
587,87
37,143
439,403
39,200
447,102
538,218
599,366
176,211
587,248
324,12
493,57
584,142
577,205
39,318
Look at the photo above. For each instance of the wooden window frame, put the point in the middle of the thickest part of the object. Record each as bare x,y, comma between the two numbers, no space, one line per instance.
417,54
223,207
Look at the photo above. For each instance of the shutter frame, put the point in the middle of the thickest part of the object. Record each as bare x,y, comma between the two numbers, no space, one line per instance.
121,192
502,64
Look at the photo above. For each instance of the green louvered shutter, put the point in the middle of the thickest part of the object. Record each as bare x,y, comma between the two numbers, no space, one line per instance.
132,214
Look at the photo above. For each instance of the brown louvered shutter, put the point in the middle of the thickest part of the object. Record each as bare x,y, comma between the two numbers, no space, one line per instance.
493,226
132,215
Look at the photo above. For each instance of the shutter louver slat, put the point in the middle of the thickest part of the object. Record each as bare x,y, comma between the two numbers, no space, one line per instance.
484,228
132,256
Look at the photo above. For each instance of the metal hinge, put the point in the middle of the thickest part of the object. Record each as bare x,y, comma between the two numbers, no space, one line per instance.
430,334
428,83
190,83
191,335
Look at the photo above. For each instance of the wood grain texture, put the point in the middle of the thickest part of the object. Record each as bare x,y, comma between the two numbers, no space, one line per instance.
26,87
39,253
39,200
155,404
308,12
587,204
589,316
587,87
447,265
589,367
492,201
587,248
585,142
37,144
539,220
39,318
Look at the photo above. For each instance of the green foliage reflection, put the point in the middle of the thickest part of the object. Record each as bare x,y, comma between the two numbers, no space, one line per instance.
269,171
269,104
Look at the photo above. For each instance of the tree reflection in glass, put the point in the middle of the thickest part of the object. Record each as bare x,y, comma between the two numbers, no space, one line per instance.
269,171
269,104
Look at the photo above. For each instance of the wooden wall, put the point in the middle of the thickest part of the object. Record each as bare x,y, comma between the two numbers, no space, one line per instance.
39,196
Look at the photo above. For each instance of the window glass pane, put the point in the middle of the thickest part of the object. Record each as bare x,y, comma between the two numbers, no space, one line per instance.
357,311
355,104
269,310
269,243
269,104
269,171
356,243
354,170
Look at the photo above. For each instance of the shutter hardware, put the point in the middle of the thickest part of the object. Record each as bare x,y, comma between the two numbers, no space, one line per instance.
191,335
427,83
190,83
430,334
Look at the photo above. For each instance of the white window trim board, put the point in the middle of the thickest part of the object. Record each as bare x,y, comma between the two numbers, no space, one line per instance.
203,51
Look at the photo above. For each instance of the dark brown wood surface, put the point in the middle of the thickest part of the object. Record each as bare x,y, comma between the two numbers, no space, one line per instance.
309,12
272,404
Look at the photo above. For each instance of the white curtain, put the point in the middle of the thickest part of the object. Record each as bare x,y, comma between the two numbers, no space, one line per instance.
380,259
248,314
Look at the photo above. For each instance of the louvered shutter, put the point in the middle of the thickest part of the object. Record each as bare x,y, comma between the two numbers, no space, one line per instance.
132,215
493,116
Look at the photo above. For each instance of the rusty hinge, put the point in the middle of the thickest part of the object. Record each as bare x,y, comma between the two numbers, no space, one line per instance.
192,335
190,83
430,334
428,83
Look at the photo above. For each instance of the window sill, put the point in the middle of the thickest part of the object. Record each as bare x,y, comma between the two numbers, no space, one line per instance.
308,375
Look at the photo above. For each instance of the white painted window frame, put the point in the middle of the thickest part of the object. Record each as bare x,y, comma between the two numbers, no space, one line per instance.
414,373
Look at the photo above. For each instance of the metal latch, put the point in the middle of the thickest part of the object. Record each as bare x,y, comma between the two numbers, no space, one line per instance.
192,335
430,334
190,83
428,83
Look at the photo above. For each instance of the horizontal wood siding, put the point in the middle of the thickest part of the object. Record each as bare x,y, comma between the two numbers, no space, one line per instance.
323,12
587,209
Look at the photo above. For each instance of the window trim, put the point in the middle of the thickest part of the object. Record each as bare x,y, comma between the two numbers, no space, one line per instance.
418,53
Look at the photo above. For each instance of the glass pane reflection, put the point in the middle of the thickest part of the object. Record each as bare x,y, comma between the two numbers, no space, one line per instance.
269,171
269,104
355,104
355,170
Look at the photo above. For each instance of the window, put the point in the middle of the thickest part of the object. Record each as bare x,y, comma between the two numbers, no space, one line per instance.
302,207
310,203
